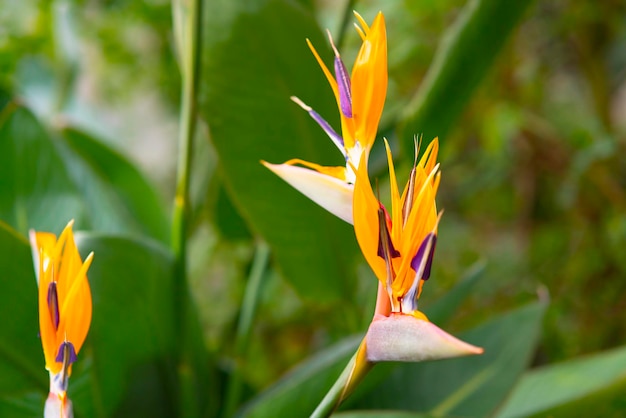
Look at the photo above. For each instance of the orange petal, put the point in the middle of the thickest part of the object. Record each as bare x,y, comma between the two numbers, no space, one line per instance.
369,82
77,309
365,214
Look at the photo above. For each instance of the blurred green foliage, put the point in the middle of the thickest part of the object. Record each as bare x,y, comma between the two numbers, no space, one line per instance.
533,182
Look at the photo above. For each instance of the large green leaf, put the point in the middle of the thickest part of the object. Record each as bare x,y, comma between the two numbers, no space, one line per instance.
302,389
23,378
591,386
46,180
466,53
441,310
254,58
381,414
131,341
471,386
35,188
116,195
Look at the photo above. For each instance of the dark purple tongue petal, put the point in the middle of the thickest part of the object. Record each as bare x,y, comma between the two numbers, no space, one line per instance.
425,254
386,250
67,353
53,304
67,356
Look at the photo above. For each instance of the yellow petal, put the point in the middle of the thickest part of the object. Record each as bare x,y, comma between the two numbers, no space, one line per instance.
326,190
406,338
396,205
77,309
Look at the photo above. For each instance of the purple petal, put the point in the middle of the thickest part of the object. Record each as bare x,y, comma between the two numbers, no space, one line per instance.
343,83
428,245
53,304
334,136
431,255
386,250
67,354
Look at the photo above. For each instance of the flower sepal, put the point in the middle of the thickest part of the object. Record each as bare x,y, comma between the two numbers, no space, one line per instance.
409,338
325,189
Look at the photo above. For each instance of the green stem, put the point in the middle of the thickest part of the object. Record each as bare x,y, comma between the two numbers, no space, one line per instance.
343,28
354,372
190,68
248,309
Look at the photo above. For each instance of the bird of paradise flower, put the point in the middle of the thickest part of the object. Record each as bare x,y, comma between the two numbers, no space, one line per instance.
64,310
360,98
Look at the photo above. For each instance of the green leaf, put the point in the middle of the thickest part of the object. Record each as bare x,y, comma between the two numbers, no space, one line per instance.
254,58
48,180
35,188
303,388
131,340
381,414
444,308
298,392
471,386
23,377
117,196
226,217
590,386
466,53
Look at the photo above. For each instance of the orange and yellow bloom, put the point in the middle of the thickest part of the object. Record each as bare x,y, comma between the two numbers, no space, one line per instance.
360,98
64,310
399,245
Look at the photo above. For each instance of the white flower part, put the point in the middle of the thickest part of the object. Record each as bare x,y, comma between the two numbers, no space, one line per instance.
332,194
405,338
35,253
56,408
352,160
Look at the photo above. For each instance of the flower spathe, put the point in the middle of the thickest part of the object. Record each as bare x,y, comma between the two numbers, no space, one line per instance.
360,97
64,309
399,245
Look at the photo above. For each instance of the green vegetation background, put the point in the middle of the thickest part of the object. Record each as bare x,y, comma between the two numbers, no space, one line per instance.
533,173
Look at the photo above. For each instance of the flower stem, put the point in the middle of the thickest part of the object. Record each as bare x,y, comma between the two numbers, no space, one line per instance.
354,372
189,44
248,308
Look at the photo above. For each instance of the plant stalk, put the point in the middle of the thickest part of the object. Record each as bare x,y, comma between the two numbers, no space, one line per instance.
242,338
190,69
354,372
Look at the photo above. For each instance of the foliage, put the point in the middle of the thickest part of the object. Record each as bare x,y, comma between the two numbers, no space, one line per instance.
528,103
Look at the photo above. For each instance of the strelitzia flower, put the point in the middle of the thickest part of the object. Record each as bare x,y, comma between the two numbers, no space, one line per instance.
64,310
360,98
399,246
